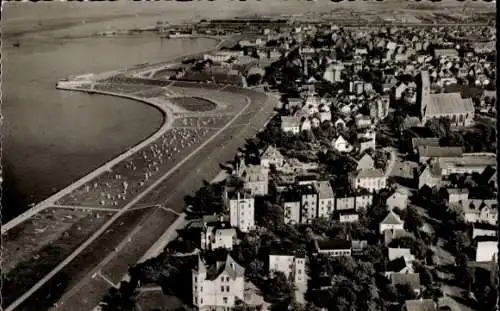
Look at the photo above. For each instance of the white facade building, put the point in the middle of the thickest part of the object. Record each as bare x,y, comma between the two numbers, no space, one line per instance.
241,210
218,287
293,267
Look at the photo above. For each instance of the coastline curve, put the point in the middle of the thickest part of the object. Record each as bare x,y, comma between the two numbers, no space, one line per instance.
168,118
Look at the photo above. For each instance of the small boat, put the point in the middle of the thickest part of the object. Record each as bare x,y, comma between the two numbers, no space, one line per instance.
16,44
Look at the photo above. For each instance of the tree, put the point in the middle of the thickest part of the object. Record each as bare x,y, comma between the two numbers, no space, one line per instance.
278,288
271,216
413,220
120,299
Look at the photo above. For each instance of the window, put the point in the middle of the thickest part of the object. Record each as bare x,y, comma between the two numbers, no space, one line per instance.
195,279
299,271
224,299
195,288
201,301
201,288
227,288
222,288
195,300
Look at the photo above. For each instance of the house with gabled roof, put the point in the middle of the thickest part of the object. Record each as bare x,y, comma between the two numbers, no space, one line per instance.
410,279
272,156
391,222
365,162
217,285
341,144
290,124
398,198
370,179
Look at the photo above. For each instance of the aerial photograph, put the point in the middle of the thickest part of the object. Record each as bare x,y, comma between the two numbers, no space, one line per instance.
283,155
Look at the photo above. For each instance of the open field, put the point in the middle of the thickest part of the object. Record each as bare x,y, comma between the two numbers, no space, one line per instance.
115,188
193,103
36,246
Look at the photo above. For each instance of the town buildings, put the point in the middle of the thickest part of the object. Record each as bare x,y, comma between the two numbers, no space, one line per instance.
391,222
285,261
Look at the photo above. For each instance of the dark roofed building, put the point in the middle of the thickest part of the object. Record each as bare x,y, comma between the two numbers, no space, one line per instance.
333,247
427,152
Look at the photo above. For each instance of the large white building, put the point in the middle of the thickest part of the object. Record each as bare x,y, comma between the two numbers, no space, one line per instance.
256,179
293,267
241,210
370,179
271,156
218,236
290,124
391,222
326,199
218,287
452,106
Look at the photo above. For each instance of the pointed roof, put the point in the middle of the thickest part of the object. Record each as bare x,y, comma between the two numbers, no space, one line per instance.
271,152
392,219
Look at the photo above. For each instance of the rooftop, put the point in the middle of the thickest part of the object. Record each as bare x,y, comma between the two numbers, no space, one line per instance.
420,305
412,279
437,151
392,219
333,244
428,141
325,190
290,121
448,103
370,173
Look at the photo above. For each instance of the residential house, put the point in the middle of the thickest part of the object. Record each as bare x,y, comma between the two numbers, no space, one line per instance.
272,156
393,234
358,247
478,210
348,216
308,203
367,141
218,236
325,116
420,305
341,144
394,253
326,198
363,121
359,200
456,195
416,142
366,162
217,286
339,123
482,230
428,175
391,222
256,180
427,152
399,199
487,251
241,209
290,200
370,179
285,261
399,265
363,200
305,125
410,279
290,124
333,248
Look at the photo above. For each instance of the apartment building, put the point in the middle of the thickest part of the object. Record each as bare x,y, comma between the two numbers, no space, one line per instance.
241,205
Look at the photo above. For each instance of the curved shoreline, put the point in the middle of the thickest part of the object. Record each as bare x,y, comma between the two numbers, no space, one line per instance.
168,118
164,110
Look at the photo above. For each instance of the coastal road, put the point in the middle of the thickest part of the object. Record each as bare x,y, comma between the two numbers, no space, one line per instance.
81,291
